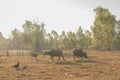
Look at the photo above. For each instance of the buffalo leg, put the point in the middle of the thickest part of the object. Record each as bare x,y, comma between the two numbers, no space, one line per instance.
52,58
58,57
74,57
63,57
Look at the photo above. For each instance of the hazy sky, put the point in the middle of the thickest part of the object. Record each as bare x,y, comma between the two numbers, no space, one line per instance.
58,15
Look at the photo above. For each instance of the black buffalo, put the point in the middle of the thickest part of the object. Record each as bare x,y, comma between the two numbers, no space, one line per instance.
34,55
79,53
53,53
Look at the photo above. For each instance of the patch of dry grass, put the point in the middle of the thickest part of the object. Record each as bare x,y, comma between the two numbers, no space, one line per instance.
99,66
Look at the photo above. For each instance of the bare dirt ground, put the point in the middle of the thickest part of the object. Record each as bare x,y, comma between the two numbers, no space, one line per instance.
98,66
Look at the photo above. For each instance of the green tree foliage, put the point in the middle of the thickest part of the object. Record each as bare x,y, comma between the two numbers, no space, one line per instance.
117,37
88,39
2,41
72,39
16,40
103,29
55,39
39,35
80,37
34,34
64,40
104,35
28,37
49,41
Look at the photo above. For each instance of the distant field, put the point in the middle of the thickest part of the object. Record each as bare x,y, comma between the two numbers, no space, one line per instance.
99,66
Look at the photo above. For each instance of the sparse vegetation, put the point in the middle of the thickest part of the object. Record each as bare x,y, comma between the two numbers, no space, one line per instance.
99,66
103,36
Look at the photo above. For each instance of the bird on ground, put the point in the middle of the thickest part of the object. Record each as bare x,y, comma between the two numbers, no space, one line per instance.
16,65
24,67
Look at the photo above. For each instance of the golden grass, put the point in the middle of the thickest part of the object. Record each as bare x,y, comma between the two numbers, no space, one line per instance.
99,66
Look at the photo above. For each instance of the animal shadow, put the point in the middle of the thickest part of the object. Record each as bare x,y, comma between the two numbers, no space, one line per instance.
68,63
90,61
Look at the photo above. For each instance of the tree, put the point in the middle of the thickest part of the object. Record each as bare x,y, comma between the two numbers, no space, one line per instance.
103,29
80,38
71,39
28,36
2,41
49,41
64,40
117,37
88,38
39,35
55,38
16,39
34,34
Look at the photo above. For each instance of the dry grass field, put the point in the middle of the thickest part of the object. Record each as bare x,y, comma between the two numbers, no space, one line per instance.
98,66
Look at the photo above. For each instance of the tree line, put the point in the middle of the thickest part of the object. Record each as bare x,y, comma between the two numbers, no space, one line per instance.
104,35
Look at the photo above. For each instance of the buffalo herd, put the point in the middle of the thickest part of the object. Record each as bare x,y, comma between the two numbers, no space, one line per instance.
77,53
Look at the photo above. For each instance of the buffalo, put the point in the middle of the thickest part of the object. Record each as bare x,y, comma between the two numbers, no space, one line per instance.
53,53
34,55
79,53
